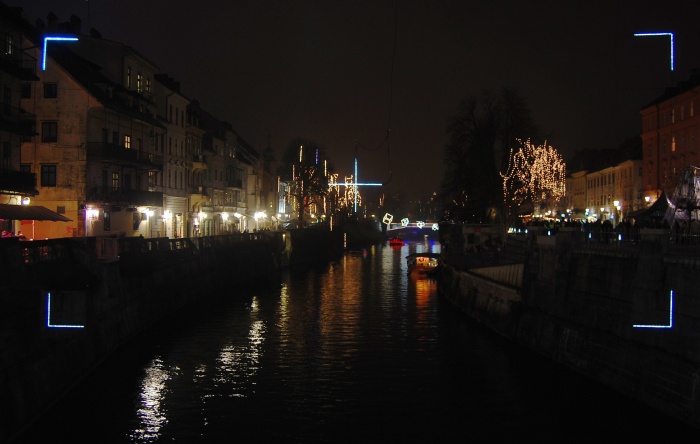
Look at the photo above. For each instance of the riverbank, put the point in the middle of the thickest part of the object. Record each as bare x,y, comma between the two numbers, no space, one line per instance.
623,314
72,302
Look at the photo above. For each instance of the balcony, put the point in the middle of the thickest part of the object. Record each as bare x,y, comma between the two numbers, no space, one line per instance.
18,63
235,183
199,163
97,151
17,182
108,195
17,121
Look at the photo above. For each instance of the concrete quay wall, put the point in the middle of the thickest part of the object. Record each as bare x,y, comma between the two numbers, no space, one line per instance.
104,295
603,310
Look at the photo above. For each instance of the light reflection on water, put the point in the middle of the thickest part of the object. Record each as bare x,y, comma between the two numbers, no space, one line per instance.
355,351
151,413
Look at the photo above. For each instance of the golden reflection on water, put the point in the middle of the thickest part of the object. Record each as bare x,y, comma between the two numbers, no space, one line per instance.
342,306
426,289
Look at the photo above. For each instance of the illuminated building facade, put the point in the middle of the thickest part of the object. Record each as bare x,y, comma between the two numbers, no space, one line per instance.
120,150
670,132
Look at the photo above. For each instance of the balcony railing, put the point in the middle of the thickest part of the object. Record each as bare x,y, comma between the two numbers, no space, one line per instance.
234,183
108,195
98,151
18,63
17,121
17,182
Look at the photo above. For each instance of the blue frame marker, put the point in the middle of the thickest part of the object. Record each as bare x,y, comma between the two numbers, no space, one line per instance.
657,34
48,316
53,38
670,317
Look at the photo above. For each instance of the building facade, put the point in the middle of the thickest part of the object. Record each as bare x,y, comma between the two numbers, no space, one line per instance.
17,72
120,150
670,132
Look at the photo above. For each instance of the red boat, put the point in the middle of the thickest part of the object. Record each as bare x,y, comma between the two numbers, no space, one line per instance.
396,242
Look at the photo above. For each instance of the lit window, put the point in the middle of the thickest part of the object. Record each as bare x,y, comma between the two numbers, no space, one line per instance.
115,181
127,141
128,76
138,82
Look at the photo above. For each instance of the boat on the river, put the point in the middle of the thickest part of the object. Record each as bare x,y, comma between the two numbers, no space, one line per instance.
423,263
396,242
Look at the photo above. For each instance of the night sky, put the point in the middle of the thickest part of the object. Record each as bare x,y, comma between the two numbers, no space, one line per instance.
346,74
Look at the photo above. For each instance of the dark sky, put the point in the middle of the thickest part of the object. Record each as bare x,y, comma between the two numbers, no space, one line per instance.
322,69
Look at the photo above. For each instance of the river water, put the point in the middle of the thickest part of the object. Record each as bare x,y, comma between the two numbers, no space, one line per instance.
352,351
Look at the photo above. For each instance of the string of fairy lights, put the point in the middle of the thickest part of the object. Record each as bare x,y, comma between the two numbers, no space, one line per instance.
534,173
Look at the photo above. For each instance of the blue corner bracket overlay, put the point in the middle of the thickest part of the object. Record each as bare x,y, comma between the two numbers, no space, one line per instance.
657,34
48,316
670,317
48,39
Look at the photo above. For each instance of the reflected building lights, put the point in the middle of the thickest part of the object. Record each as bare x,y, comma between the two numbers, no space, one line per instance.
151,414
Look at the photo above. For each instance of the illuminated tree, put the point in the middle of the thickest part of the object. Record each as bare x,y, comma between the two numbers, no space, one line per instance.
535,173
481,133
305,166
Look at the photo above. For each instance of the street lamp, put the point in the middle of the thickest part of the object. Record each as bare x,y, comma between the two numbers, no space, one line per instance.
224,217
167,217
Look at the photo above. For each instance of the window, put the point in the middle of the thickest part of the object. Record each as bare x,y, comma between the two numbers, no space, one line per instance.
115,137
9,44
107,221
50,90
26,90
115,181
7,101
48,175
127,141
128,76
148,85
5,148
49,132
127,181
138,82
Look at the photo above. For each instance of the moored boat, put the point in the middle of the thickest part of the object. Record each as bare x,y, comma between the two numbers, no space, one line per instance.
423,263
396,242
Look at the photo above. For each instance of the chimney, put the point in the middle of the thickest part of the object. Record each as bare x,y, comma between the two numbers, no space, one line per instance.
76,24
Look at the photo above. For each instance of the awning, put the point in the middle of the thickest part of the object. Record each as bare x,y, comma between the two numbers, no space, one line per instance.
30,212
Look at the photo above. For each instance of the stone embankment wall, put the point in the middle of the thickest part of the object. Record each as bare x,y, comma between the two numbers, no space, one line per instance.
603,309
104,292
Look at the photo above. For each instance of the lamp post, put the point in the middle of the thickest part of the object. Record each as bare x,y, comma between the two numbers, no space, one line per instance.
224,217
238,216
167,217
